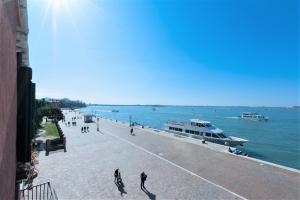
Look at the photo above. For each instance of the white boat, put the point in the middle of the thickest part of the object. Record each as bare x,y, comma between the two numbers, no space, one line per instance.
254,116
202,130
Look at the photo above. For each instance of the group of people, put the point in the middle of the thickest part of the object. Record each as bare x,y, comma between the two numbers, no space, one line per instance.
85,129
74,123
118,179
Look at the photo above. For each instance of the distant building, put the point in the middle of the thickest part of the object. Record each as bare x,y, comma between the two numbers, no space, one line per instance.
88,118
50,100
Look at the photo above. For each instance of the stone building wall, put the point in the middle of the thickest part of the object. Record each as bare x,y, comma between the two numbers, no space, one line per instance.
13,38
22,32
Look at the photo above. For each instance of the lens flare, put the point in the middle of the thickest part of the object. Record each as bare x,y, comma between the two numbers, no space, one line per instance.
57,12
58,4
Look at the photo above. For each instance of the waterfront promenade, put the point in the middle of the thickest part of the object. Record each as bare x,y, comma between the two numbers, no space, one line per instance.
176,169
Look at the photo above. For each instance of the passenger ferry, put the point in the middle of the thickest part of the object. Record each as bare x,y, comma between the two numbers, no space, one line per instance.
254,116
203,130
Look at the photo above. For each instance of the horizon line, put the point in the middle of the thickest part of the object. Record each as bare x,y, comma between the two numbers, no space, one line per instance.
175,105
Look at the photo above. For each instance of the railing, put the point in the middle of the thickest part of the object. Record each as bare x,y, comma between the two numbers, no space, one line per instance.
39,192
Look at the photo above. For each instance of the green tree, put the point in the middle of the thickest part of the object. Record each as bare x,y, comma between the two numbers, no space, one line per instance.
47,109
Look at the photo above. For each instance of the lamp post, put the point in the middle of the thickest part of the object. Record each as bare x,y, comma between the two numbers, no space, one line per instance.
98,124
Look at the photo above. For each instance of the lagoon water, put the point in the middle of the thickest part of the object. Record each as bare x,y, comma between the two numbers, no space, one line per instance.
277,140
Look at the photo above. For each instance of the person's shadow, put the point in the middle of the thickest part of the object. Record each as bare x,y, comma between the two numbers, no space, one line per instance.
121,186
149,194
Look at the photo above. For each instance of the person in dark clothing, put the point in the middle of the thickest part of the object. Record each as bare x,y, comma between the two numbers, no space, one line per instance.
81,129
143,179
118,181
87,128
131,131
116,175
84,129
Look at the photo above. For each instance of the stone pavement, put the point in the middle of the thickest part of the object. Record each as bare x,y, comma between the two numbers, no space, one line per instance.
176,169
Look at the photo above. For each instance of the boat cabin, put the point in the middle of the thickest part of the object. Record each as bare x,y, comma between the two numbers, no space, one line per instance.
200,123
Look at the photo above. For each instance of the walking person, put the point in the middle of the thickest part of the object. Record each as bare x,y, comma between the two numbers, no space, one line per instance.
84,129
116,175
87,128
131,131
143,179
81,129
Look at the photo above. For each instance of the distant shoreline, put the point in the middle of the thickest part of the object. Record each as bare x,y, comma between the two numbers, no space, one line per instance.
149,105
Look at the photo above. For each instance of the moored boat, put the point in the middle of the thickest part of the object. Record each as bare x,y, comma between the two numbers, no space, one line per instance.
253,116
204,130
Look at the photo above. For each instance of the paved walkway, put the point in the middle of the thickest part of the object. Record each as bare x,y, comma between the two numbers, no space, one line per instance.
176,169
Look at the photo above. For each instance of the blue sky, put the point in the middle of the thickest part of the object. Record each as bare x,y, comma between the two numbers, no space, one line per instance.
178,52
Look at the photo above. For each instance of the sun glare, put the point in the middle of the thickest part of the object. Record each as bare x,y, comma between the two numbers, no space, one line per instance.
58,13
57,5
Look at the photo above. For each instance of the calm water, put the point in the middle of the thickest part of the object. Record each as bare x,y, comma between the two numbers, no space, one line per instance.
276,141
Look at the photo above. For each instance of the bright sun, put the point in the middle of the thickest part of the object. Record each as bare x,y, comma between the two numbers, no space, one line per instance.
58,4
60,11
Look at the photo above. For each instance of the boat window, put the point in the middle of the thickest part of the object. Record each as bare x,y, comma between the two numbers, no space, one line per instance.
193,124
221,135
208,134
201,134
187,131
196,133
215,135
178,129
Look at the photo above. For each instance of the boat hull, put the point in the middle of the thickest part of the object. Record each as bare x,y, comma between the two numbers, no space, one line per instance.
232,142
255,119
